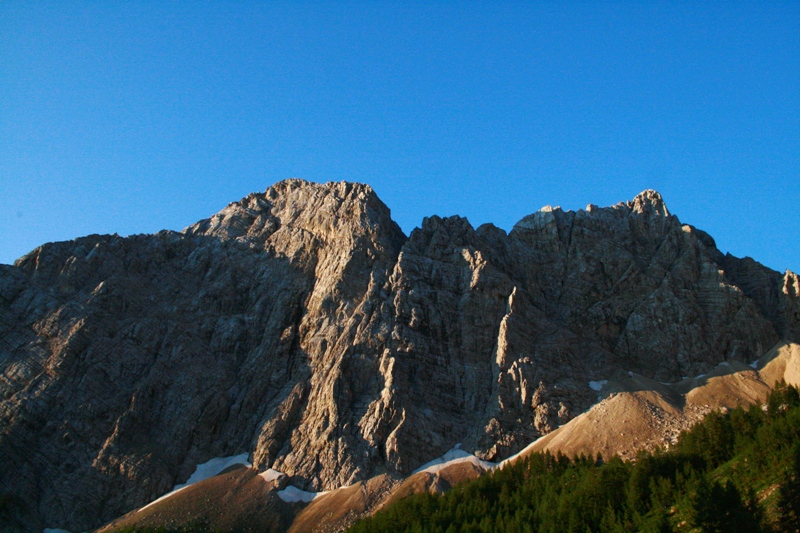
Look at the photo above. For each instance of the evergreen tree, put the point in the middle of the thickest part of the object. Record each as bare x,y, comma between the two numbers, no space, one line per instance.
789,496
718,508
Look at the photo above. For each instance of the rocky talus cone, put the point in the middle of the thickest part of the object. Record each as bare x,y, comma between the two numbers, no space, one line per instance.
302,326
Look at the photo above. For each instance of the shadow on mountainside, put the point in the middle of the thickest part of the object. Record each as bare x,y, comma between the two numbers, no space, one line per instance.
138,374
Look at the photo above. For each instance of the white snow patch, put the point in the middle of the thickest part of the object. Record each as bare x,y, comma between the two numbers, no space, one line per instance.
457,455
205,471
454,456
293,494
630,374
214,467
270,474
754,364
700,376
597,385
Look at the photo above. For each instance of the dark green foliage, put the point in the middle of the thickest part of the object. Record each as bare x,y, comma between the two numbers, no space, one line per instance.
718,508
789,496
781,399
713,440
709,483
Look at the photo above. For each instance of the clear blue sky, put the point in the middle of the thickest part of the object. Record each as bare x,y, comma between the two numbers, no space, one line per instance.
132,117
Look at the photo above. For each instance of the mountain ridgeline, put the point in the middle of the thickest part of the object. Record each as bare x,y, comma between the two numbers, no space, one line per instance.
301,326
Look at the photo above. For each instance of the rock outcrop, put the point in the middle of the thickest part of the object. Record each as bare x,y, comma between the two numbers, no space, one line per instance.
300,325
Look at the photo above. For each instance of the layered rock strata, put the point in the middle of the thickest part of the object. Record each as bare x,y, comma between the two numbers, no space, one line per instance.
302,326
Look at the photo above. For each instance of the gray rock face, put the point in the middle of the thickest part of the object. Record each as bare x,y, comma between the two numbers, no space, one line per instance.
302,326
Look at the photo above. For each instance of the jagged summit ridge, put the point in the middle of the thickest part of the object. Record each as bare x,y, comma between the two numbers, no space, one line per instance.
301,326
648,203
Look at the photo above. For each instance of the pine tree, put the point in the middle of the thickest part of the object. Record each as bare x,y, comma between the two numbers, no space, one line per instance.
789,496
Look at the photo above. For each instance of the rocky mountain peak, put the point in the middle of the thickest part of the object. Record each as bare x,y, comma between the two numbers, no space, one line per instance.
326,211
649,202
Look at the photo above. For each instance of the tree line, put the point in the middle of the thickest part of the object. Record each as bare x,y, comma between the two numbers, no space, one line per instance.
735,471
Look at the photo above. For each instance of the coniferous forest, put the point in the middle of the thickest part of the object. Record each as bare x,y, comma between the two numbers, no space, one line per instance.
733,472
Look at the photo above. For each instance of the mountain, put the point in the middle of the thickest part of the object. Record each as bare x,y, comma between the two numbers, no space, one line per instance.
300,326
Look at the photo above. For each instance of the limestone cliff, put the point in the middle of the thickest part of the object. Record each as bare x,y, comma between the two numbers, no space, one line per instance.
301,326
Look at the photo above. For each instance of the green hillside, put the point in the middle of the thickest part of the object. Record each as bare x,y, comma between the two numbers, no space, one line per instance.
734,472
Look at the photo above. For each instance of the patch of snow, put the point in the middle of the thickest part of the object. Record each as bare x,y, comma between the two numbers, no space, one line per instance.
214,467
454,456
700,376
271,475
630,374
597,385
292,494
457,455
205,471
754,364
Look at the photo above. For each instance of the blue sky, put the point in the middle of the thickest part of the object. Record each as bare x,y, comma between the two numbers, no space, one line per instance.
132,117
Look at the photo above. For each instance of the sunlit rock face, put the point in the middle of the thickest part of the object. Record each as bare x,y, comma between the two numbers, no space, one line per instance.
300,325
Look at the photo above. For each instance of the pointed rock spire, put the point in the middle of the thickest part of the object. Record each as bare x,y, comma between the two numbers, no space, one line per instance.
649,202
